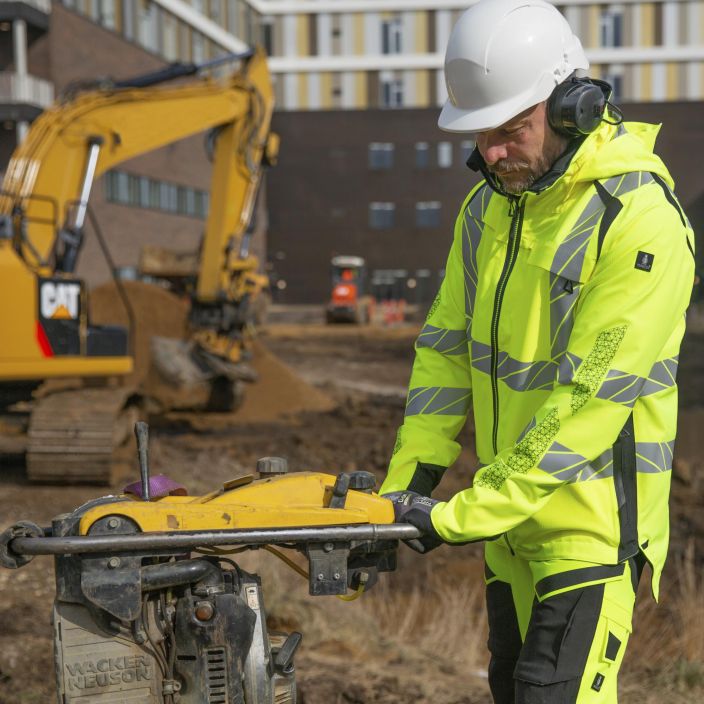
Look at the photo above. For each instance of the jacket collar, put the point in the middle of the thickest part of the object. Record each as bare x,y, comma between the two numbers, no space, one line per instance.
476,163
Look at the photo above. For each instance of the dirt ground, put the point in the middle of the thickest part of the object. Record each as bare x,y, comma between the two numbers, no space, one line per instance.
420,635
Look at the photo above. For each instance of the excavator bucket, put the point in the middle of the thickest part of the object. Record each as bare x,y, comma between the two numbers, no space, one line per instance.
185,376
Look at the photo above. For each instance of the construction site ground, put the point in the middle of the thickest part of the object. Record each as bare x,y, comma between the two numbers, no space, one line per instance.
330,399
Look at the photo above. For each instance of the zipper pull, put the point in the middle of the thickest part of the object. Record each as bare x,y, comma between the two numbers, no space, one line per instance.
512,202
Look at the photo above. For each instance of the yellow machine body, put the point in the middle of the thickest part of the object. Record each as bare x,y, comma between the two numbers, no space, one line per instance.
300,499
46,181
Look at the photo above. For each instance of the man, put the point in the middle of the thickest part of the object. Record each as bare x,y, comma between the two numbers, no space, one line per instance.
559,321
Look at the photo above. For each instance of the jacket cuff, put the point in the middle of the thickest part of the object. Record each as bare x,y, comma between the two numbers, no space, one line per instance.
426,478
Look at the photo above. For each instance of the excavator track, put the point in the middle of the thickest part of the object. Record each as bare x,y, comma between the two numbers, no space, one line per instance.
79,436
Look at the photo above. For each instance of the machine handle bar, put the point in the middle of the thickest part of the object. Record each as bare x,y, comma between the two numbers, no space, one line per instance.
80,544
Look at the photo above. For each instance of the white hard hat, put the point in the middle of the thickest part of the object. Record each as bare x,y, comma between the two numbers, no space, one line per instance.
504,56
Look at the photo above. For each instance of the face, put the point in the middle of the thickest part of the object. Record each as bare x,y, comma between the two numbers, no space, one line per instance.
522,150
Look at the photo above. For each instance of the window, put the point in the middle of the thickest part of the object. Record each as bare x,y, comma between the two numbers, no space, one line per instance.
391,93
428,213
381,215
169,37
165,202
381,155
391,36
198,47
181,200
467,147
122,191
190,202
146,25
145,192
154,201
611,27
615,80
445,155
267,28
232,22
107,13
132,189
422,155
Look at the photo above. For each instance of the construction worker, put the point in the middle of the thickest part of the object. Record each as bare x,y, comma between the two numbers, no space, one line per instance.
559,322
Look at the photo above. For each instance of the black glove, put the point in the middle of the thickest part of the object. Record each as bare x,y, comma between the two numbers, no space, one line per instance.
411,507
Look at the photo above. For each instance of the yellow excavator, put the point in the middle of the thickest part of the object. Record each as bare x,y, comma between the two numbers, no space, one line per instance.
74,433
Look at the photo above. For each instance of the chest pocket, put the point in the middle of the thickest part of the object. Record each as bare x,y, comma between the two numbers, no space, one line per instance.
570,263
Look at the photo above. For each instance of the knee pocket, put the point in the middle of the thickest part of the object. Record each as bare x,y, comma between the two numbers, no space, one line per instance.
559,639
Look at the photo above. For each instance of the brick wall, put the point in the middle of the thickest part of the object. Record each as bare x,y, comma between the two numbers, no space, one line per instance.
319,194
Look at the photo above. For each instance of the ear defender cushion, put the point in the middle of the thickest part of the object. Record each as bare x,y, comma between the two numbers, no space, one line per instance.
576,107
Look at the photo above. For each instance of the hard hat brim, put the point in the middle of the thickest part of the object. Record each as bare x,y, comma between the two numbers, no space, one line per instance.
454,119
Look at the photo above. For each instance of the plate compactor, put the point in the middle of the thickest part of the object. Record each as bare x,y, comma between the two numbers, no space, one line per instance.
150,606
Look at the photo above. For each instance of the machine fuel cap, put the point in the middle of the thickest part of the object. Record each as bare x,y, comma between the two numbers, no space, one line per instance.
271,466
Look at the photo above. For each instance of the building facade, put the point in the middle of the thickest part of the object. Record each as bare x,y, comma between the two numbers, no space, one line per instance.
363,167
354,54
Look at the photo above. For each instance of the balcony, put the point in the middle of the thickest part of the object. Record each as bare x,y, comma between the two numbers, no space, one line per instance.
34,12
22,98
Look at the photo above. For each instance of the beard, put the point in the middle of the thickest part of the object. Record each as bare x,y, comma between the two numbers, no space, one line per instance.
516,177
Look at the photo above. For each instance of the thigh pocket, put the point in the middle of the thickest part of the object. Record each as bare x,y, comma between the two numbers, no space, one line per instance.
560,635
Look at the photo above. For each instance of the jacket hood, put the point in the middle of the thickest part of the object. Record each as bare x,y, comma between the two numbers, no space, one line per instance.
617,149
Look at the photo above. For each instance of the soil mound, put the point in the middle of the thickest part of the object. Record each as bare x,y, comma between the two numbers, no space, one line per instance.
156,312
279,391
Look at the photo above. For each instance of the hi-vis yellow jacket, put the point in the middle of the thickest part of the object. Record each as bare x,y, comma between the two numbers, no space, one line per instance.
560,320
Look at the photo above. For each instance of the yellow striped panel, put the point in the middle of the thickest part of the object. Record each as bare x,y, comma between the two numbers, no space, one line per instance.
302,35
358,23
118,16
593,14
421,23
672,81
646,82
326,90
360,83
303,91
647,23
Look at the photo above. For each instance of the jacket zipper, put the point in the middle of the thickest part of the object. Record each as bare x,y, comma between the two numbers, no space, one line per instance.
516,208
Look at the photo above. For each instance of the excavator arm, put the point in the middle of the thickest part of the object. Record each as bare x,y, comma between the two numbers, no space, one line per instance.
51,173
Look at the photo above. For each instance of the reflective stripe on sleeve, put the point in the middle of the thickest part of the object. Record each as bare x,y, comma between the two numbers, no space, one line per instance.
438,400
445,341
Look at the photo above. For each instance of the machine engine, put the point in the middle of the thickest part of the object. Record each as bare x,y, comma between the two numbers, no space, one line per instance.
162,629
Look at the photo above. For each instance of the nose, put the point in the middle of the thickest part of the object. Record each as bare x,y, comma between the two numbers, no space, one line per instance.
492,147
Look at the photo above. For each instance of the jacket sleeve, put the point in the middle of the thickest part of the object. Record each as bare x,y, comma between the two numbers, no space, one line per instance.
440,391
624,318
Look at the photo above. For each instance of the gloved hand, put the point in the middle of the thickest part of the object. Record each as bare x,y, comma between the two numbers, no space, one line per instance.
411,507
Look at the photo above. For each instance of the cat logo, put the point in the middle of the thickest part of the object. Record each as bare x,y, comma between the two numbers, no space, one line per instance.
59,300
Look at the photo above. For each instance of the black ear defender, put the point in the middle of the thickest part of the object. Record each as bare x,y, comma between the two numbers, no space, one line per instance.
578,105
